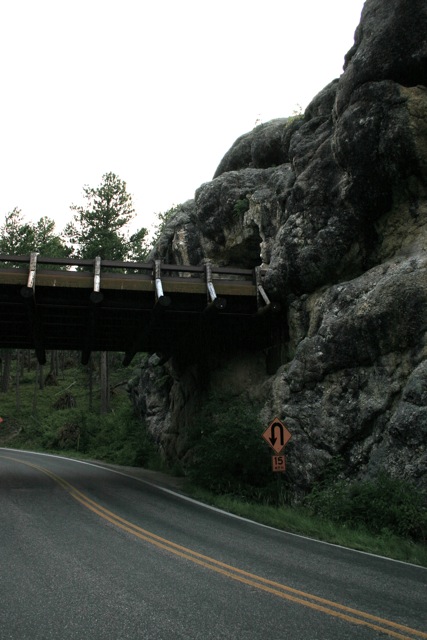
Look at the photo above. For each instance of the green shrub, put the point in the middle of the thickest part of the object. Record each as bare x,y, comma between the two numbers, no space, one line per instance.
228,455
382,506
122,438
118,437
240,207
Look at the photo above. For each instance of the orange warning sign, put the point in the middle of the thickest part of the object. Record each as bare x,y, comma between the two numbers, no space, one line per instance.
278,463
276,435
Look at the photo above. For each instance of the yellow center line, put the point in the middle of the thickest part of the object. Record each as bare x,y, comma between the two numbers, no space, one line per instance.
283,591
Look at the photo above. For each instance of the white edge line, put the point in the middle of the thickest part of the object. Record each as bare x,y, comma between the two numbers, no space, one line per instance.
215,509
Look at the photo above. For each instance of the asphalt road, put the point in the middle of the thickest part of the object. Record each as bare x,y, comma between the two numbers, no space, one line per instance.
88,553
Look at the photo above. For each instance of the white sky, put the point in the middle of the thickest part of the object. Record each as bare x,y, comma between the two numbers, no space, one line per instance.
154,90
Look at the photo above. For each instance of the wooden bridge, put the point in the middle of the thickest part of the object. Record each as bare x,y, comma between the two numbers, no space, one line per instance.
93,305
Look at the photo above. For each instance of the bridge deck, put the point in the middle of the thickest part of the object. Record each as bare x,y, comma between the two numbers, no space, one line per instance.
128,307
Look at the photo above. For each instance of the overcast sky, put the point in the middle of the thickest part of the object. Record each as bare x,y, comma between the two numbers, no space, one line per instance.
155,91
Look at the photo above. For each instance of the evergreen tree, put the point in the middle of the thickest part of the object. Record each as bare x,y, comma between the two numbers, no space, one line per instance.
46,242
99,227
19,237
16,235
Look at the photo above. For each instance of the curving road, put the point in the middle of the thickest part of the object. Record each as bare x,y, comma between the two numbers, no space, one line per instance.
89,553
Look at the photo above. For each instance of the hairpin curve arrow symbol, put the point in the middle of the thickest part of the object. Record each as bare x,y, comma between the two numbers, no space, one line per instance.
277,443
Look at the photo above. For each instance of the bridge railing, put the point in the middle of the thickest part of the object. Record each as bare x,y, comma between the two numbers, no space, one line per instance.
15,261
155,275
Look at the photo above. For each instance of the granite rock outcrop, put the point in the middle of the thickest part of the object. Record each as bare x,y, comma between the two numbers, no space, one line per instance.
334,203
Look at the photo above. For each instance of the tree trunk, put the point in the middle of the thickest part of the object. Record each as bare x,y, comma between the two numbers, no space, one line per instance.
22,355
36,387
89,370
54,364
40,376
17,380
105,386
7,362
62,362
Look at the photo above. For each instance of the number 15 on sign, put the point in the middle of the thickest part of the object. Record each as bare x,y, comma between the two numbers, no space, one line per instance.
278,463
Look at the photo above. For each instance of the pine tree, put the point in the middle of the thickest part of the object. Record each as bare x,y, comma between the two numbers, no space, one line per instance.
99,227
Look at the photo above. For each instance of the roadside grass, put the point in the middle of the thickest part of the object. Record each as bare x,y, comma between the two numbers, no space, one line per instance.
298,520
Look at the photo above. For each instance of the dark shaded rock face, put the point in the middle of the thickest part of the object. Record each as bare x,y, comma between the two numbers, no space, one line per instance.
334,203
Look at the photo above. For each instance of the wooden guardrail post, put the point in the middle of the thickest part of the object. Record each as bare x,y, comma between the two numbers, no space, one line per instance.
214,303
162,301
262,297
96,295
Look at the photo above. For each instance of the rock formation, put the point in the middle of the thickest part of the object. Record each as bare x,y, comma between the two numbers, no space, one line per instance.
334,203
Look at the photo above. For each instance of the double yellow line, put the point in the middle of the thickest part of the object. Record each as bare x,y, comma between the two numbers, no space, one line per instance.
317,603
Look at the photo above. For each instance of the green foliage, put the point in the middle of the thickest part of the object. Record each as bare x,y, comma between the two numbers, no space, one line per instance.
163,220
228,454
18,237
119,437
386,506
46,242
99,227
297,115
240,207
297,519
